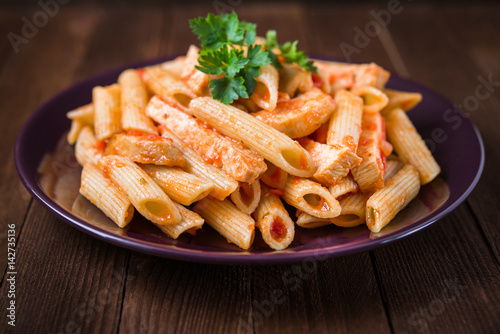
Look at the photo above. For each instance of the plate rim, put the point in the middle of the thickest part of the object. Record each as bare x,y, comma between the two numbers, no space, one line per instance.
227,258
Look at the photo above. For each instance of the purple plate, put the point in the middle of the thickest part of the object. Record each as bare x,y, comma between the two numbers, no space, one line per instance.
48,169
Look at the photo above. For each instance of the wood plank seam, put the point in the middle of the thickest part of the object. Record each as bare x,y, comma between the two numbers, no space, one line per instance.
129,256
381,291
483,235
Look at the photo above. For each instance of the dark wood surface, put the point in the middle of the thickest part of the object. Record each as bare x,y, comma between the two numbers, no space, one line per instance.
445,279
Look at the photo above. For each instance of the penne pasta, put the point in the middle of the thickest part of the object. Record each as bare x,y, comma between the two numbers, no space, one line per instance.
353,210
84,114
190,222
85,148
385,203
80,117
274,177
263,139
344,186
107,114
146,196
180,186
321,80
74,131
370,173
294,79
174,66
312,133
347,76
233,157
273,221
392,167
345,124
374,100
105,195
370,75
265,94
247,196
224,217
301,116
163,83
224,185
307,221
196,80
403,100
310,197
410,146
134,98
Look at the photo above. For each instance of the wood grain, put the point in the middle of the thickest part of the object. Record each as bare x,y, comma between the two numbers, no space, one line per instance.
25,83
442,280
318,296
81,279
483,46
174,297
434,281
403,314
457,78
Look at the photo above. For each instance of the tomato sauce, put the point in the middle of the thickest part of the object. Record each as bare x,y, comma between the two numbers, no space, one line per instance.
156,137
317,81
278,229
135,133
101,145
277,192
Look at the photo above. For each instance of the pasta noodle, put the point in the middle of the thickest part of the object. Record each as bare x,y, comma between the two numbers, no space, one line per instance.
224,217
85,148
403,100
247,196
265,140
370,173
107,113
233,157
146,196
273,221
410,146
134,98
265,94
106,196
345,124
308,140
310,197
190,222
180,186
385,203
224,185
374,99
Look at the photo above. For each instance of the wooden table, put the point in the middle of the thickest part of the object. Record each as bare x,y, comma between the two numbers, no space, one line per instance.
445,279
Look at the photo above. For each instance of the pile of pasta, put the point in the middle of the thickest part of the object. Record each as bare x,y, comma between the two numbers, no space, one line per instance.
156,142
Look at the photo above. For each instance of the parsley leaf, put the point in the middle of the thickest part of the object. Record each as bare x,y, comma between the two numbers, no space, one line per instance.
271,43
219,35
221,61
209,31
228,51
288,51
228,89
215,31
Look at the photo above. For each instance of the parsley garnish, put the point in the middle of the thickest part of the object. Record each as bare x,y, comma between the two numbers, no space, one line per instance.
218,36
288,51
222,38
